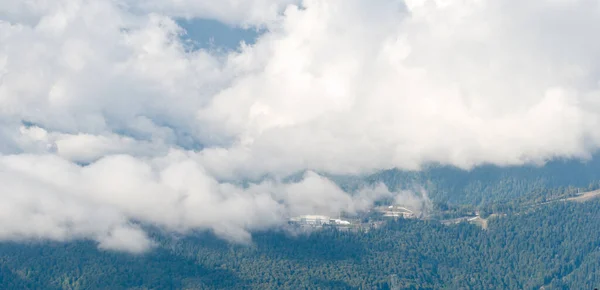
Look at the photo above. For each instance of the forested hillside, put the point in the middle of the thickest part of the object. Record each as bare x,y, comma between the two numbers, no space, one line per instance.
555,245
489,184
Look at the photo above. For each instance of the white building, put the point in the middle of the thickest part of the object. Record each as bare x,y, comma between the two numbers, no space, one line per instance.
395,211
341,222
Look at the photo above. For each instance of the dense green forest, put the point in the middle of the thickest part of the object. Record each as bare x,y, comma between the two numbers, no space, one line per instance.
555,245
529,243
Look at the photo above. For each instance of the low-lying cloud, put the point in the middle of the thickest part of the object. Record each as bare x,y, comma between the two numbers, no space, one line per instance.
108,120
46,196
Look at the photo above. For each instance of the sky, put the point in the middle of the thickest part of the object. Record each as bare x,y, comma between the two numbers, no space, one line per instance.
116,113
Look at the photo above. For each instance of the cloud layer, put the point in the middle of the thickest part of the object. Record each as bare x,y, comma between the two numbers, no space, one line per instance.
108,119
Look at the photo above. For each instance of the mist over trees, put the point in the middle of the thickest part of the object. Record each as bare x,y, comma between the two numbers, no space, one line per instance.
555,246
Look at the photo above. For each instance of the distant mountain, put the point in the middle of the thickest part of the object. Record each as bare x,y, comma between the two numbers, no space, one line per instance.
487,184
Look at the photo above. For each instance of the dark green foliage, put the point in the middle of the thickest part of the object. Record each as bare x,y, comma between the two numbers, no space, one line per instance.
555,245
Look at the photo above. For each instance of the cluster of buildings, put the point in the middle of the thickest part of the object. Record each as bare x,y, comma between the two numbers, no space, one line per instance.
391,211
318,220
364,223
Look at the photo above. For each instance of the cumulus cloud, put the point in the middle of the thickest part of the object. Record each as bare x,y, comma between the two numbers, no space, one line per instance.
49,197
107,119
460,83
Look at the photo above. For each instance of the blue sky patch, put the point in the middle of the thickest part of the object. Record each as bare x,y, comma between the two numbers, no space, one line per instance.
212,34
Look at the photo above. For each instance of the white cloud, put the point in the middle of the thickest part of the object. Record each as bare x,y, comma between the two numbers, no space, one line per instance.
130,239
456,83
49,197
339,86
